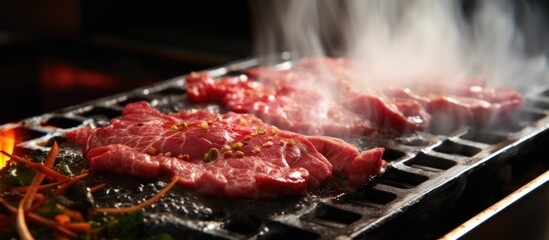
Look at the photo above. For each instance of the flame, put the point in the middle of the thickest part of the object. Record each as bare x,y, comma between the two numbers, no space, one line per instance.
7,142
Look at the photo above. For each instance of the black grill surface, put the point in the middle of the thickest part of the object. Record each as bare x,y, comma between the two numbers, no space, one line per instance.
426,170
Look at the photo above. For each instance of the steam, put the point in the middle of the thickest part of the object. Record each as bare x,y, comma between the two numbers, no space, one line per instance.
406,40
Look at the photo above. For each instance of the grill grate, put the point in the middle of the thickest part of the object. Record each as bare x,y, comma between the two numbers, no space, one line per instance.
425,167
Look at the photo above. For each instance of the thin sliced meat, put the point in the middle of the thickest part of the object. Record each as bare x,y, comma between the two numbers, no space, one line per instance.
471,102
399,115
362,163
232,155
308,102
283,104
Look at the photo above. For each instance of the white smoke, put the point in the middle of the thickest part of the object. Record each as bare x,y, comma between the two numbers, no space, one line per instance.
406,40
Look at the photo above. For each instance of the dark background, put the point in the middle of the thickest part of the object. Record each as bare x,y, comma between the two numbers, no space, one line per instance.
60,53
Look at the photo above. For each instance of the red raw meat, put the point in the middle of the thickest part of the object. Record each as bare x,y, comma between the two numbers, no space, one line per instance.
297,99
470,102
279,103
232,155
398,114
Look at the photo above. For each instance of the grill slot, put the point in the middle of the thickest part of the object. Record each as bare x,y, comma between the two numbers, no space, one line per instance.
392,155
402,179
545,93
507,127
483,137
538,103
50,141
450,147
242,223
332,217
235,73
430,163
62,122
99,111
171,91
531,117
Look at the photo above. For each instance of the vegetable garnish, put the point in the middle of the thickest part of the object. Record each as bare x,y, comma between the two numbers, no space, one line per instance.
26,201
36,198
70,183
39,219
211,155
43,187
37,167
98,187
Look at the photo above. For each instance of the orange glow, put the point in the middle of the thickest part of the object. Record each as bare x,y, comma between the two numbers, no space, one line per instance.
67,76
7,142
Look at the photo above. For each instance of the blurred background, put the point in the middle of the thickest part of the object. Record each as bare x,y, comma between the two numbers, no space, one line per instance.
60,53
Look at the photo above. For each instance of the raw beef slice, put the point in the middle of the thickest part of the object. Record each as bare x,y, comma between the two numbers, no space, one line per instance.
232,155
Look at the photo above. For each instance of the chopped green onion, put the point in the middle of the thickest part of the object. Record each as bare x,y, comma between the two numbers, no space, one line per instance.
211,155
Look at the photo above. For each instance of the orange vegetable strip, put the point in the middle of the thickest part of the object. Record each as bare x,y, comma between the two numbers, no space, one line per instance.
40,220
38,167
21,224
73,214
52,155
39,177
141,205
26,201
52,224
70,183
43,187
40,200
97,188
81,227
62,219
8,206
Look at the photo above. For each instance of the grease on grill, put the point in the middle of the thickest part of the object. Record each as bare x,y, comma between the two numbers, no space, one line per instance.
126,191
331,216
62,122
401,179
243,223
450,147
276,230
430,163
171,91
